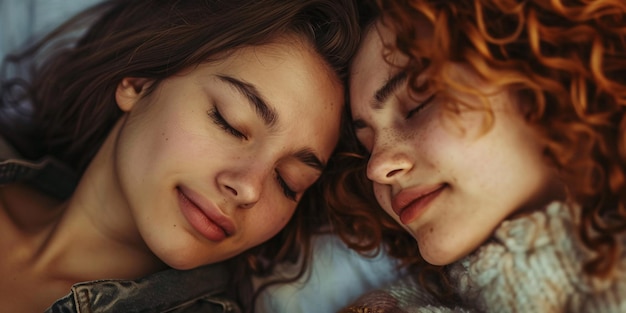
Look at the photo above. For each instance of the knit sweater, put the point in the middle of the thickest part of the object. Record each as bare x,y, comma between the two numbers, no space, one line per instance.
533,263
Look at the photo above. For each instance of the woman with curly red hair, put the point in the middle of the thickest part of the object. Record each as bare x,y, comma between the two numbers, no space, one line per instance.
496,135
153,157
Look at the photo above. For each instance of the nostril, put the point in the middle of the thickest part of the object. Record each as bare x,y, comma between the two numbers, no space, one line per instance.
246,205
394,172
231,189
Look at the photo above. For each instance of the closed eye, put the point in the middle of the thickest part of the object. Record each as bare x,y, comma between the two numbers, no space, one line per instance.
219,120
420,107
289,193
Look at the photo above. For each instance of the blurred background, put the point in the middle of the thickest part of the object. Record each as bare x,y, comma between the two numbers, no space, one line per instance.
22,21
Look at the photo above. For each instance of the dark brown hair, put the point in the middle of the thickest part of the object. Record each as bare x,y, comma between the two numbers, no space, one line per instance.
76,68
566,63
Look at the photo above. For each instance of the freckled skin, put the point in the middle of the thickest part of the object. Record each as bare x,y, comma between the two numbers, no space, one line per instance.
237,176
487,176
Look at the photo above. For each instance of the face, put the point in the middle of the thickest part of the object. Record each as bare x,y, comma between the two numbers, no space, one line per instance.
446,180
215,159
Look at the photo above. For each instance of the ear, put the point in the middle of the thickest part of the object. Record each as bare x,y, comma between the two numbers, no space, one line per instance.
130,90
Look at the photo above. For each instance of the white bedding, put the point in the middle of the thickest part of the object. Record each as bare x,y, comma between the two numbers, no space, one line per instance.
338,276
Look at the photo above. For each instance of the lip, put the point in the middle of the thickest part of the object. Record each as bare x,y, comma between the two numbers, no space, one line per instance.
204,217
410,203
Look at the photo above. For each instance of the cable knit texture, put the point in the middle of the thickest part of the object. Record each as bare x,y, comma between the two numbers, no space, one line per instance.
532,264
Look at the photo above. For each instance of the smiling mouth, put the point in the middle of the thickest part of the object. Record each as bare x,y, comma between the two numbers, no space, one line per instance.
415,207
209,224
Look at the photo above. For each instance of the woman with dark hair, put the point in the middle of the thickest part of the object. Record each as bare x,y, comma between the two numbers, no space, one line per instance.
496,139
158,137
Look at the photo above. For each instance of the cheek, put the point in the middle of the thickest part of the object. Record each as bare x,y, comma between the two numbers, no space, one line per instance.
172,151
269,220
150,134
383,197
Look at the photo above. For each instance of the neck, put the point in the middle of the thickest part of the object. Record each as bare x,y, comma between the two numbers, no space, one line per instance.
97,237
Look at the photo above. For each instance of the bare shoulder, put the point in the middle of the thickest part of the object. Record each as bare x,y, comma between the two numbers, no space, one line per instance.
25,217
24,209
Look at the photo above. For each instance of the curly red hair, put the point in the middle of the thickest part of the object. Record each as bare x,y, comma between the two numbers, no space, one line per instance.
566,63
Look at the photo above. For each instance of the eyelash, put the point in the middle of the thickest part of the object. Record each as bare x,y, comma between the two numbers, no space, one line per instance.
420,107
289,193
219,120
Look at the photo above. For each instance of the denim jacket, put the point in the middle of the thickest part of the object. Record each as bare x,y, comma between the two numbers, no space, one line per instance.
197,290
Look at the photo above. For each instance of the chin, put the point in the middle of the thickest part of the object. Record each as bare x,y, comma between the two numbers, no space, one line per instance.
437,260
181,264
439,255
182,259
441,247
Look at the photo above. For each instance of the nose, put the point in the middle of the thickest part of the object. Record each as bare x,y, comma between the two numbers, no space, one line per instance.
243,187
387,164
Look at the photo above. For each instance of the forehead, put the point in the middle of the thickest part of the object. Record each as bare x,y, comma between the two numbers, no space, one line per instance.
288,74
377,60
296,82
373,64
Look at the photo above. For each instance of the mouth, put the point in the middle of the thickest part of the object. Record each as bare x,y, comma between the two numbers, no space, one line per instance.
204,217
411,203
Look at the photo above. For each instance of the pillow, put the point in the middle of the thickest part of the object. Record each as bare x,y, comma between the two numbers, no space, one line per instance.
23,20
336,277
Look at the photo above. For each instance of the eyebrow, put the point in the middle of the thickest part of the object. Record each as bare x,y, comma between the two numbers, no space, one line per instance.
264,111
308,157
382,94
270,117
388,88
